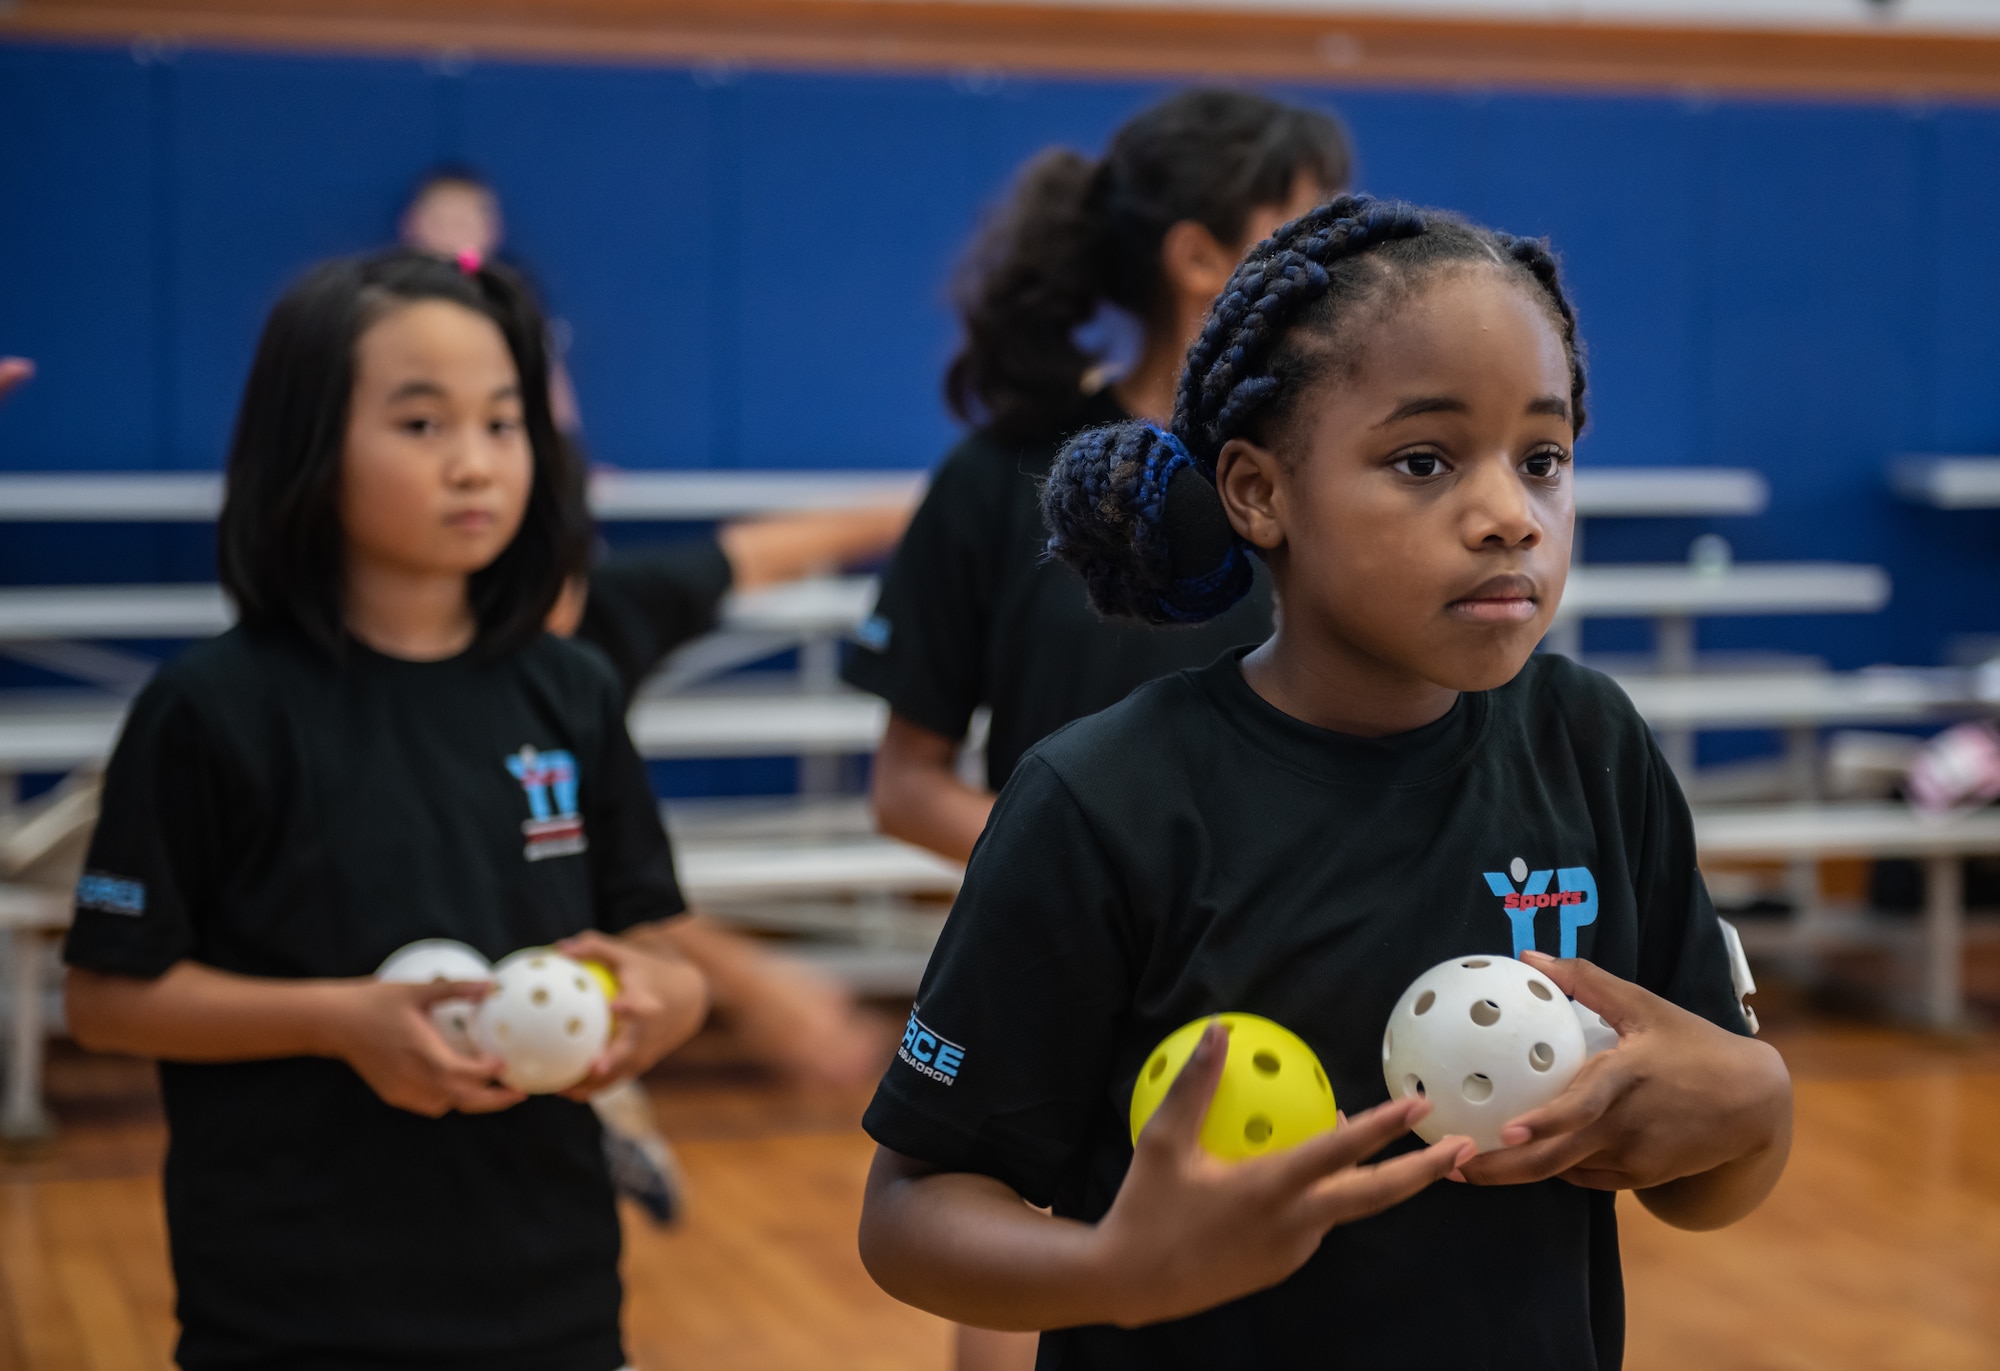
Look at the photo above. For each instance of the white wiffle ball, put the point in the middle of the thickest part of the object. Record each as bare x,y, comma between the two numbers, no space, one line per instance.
441,959
1484,1039
546,1019
1598,1034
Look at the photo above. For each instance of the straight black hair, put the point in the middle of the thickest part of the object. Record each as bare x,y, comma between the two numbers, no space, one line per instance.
280,546
1079,234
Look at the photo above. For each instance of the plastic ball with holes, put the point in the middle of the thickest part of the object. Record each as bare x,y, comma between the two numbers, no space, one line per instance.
1484,1039
1273,1093
546,1019
441,959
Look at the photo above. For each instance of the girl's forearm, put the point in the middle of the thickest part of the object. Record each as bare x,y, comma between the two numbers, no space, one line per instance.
194,1013
917,795
1719,1197
1723,1194
967,1248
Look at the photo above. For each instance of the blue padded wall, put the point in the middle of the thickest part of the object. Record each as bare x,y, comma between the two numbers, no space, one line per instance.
754,270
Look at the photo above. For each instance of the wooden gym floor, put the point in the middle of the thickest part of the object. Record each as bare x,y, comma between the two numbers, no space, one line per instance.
1880,1250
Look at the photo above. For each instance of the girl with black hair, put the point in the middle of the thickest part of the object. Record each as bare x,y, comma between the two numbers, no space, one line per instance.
1382,410
388,747
972,614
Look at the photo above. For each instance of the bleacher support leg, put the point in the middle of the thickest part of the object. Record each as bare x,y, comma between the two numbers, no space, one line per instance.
1944,942
24,1117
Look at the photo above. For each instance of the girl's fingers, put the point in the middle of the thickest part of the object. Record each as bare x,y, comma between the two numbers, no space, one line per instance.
428,993
485,1099
1536,1161
1358,1138
1365,1190
1586,1100
1177,1122
591,945
1625,1006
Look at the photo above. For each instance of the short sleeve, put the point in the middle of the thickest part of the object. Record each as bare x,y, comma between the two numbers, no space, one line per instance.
1682,955
155,860
632,863
645,603
1003,1063
924,648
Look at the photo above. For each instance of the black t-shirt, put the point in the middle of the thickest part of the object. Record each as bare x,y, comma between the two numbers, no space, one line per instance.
972,612
646,602
1194,850
269,813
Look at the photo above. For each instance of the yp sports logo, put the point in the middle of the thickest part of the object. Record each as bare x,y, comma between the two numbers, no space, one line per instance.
929,1054
549,778
1574,898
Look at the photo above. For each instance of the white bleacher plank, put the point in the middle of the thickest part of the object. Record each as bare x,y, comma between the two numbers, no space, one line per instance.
761,724
766,724
57,740
1645,591
776,870
1653,492
1947,482
161,497
131,611
1801,699
196,496
816,606
1844,830
670,495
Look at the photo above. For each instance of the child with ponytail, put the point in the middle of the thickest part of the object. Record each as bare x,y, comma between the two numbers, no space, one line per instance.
387,747
1382,410
972,614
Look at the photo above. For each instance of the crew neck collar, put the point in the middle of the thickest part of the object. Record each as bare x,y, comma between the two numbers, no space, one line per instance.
1414,758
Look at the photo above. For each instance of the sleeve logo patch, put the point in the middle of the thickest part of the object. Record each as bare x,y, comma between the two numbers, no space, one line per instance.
873,633
111,894
554,828
928,1054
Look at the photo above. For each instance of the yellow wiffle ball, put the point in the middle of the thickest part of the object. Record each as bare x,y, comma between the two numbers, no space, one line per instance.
599,972
1273,1093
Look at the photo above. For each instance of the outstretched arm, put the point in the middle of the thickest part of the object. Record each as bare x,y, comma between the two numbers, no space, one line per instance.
784,547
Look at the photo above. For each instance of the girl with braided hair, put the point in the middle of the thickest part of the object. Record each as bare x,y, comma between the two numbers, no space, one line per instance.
1382,410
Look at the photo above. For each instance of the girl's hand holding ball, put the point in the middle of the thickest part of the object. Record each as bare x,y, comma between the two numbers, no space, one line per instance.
1695,1118
384,1030
660,1001
1188,1232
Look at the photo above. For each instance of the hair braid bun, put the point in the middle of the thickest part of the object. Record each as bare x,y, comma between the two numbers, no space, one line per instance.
1139,520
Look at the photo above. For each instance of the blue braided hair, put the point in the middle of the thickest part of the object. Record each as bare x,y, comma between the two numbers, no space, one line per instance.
1133,507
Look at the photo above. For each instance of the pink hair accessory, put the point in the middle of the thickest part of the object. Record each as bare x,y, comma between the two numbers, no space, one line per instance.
469,261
